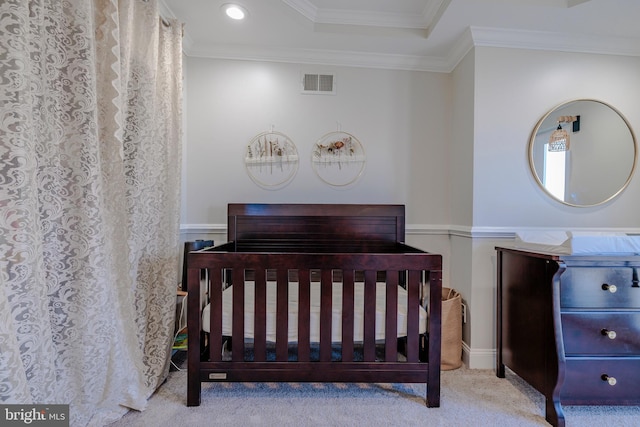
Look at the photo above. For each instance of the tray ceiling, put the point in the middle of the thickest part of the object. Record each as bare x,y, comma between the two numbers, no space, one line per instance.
403,34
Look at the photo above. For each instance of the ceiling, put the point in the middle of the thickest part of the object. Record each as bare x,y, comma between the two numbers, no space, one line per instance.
430,35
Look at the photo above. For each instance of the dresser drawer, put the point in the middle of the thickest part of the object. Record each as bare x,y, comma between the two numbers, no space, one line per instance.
601,333
599,287
584,383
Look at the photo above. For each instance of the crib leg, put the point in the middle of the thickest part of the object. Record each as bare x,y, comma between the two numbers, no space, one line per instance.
433,386
193,388
194,356
433,376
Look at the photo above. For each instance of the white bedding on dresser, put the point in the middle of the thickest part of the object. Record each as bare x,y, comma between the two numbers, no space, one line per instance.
336,326
578,242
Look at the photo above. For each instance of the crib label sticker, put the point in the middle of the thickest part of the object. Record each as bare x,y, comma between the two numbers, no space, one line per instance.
218,376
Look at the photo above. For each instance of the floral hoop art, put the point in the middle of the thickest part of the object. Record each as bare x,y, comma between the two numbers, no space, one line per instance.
271,159
338,158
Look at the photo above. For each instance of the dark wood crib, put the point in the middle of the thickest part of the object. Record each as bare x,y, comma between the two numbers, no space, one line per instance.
314,248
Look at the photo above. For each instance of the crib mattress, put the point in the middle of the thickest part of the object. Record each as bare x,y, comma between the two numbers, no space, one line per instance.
336,324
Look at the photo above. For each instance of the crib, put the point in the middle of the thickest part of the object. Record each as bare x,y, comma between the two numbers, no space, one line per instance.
314,293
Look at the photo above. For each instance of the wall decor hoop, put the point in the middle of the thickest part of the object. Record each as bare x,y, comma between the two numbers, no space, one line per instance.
271,159
338,158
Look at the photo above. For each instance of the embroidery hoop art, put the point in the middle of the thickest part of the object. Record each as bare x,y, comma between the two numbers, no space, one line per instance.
271,159
338,158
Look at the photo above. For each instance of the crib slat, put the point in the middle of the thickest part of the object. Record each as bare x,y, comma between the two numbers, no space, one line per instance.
282,315
347,315
260,319
391,318
413,316
215,315
369,317
326,285
304,308
237,331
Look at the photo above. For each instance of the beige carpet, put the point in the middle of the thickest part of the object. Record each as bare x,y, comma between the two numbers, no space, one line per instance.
469,398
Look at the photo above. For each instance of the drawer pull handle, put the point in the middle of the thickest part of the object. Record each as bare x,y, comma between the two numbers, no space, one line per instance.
611,288
610,334
611,380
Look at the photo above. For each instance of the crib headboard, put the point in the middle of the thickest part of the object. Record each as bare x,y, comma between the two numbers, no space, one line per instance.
323,224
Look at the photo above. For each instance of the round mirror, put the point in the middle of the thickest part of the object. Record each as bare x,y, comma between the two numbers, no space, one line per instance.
583,152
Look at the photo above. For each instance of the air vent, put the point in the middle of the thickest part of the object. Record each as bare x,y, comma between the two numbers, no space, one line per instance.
318,84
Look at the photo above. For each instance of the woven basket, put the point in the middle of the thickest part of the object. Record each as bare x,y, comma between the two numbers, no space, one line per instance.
451,351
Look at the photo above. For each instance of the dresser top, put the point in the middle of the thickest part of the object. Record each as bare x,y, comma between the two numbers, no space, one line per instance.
609,259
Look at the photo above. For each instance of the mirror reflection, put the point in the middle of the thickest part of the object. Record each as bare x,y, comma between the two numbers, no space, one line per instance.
583,153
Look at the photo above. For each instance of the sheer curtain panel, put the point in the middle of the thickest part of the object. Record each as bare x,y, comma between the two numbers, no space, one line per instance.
90,158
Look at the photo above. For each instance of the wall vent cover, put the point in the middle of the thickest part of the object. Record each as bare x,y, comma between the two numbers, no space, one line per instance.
318,84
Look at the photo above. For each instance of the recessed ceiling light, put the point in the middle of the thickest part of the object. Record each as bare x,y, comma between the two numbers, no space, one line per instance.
234,11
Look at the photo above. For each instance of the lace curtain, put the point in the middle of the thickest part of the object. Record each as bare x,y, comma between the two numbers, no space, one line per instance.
90,158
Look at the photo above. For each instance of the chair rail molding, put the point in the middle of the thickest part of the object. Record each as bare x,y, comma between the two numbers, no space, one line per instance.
471,232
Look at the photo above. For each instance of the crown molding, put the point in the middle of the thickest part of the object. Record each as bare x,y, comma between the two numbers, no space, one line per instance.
304,8
429,16
459,50
474,36
322,57
370,19
541,40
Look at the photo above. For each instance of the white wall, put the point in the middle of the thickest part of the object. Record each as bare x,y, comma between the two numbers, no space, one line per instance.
401,118
462,152
461,182
513,90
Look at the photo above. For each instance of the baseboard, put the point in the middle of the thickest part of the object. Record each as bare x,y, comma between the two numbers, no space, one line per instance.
478,358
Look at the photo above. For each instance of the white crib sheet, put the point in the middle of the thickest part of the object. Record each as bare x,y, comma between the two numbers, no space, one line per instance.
336,324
